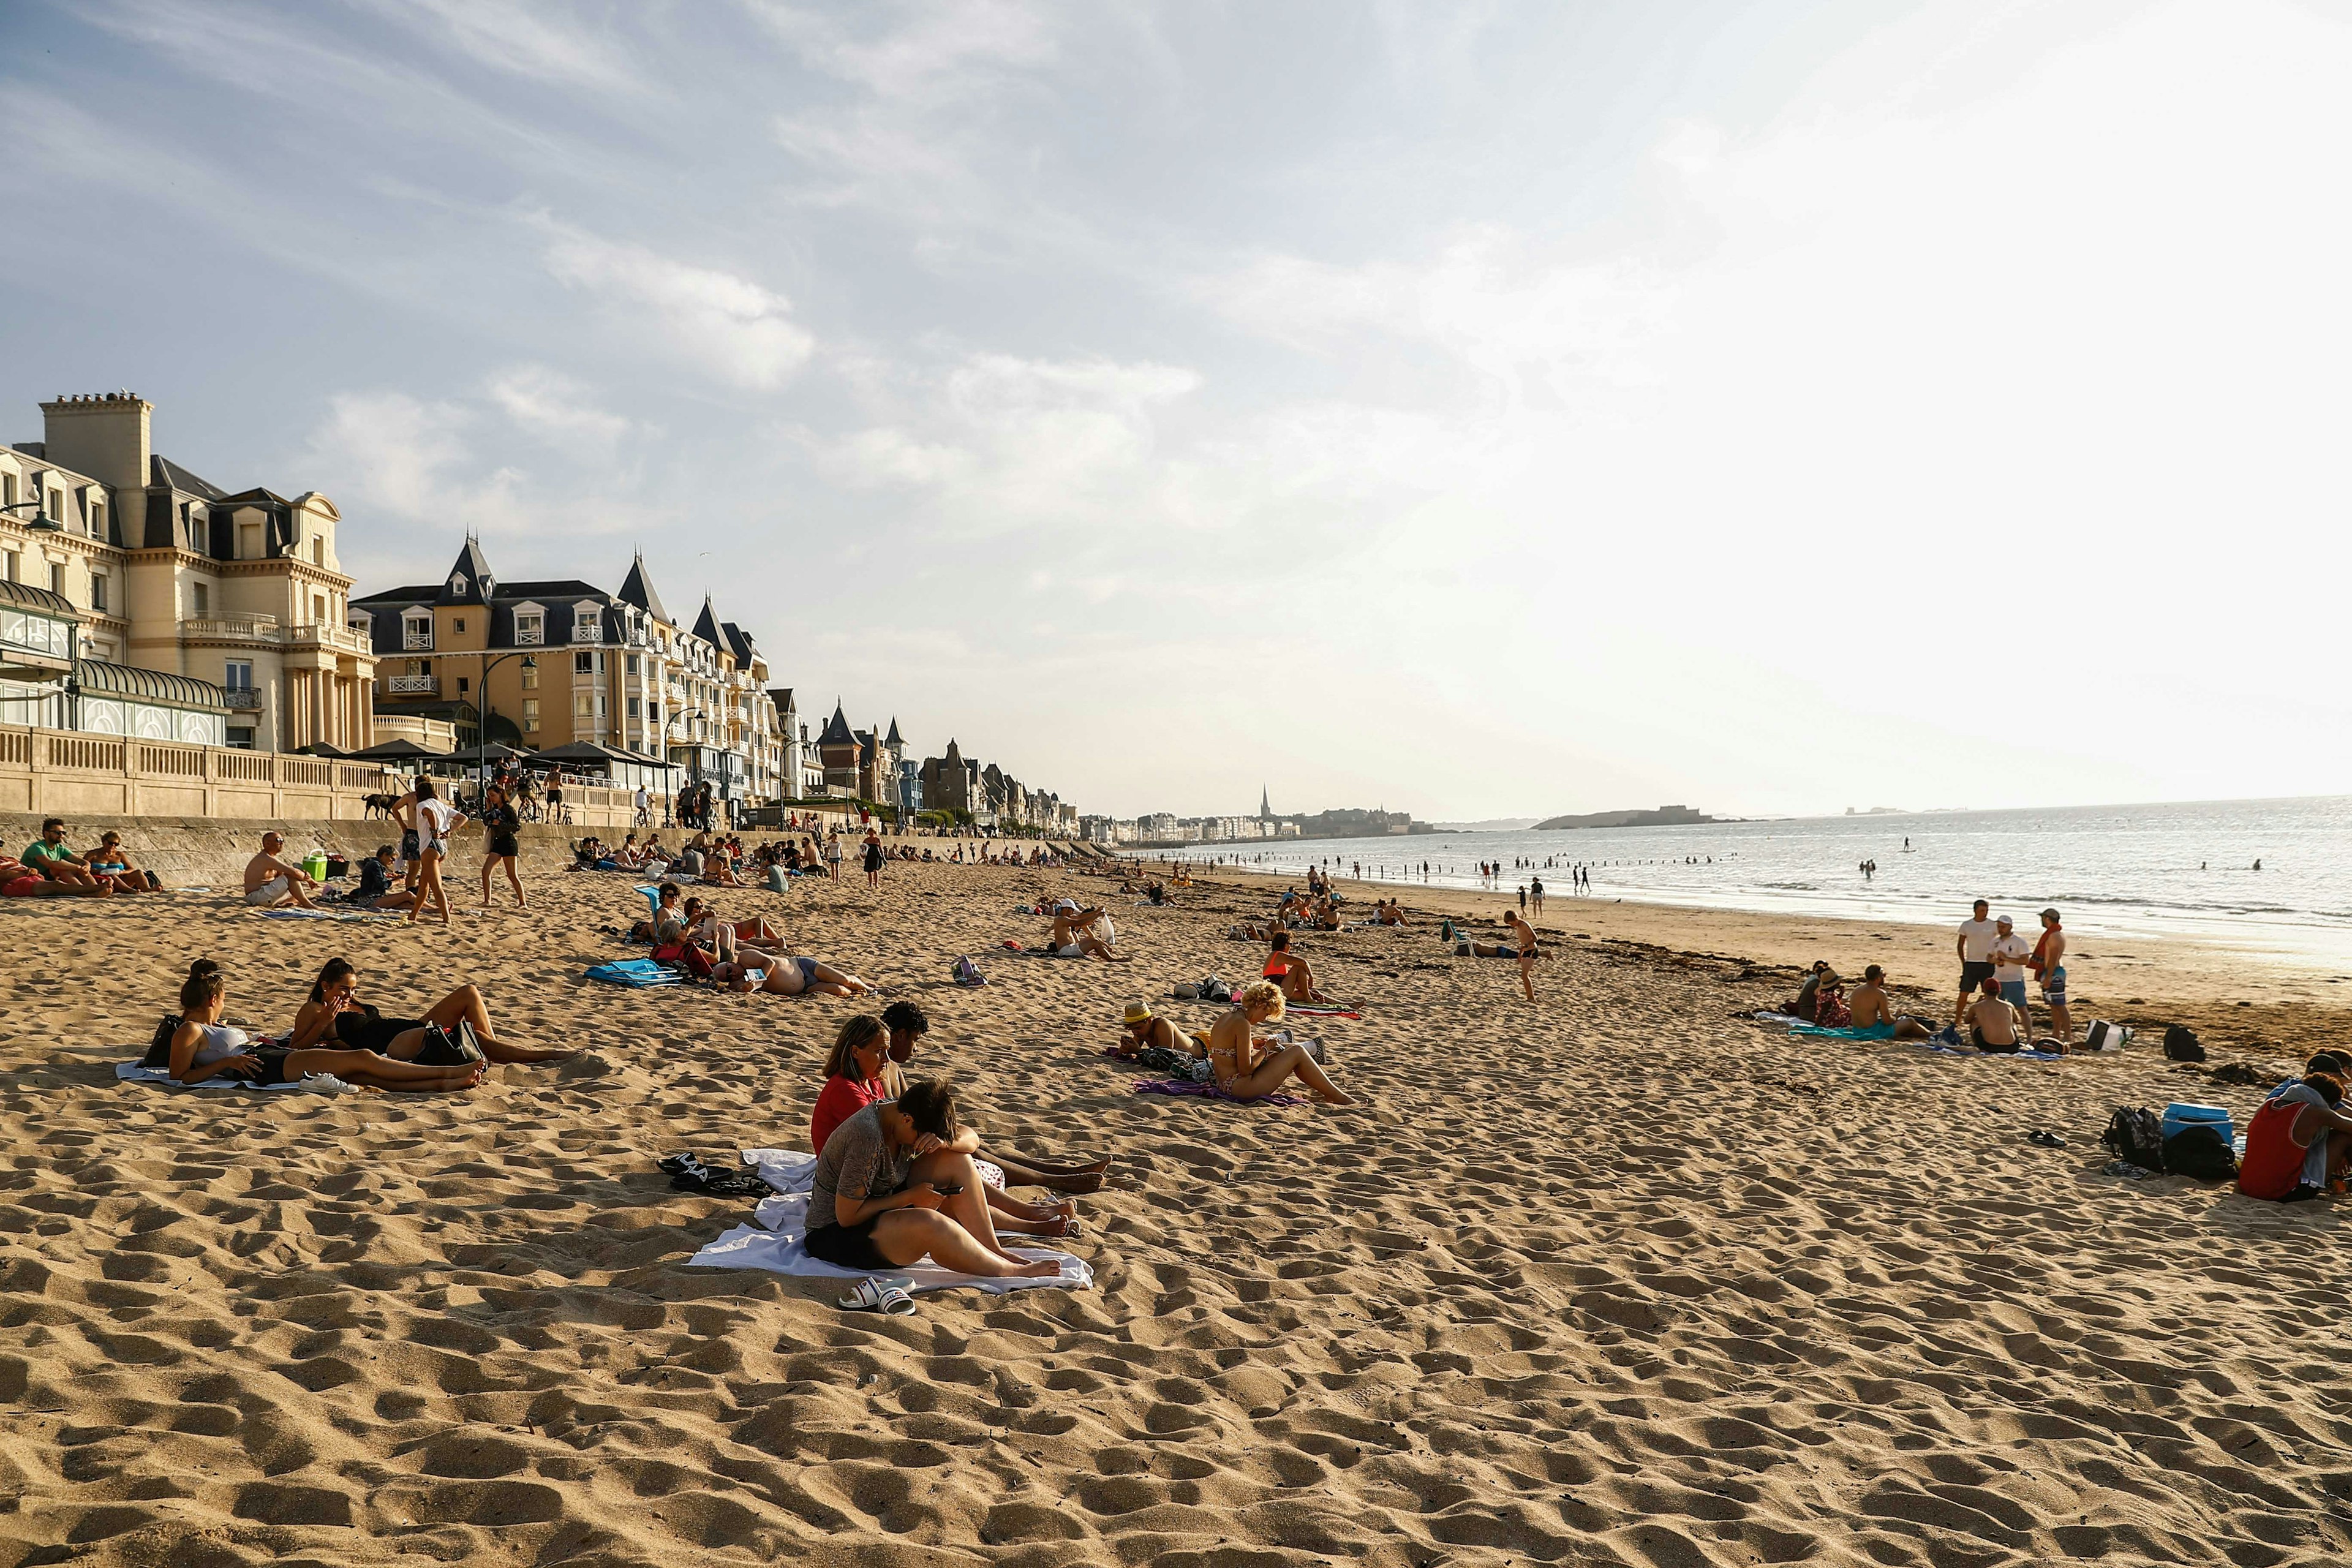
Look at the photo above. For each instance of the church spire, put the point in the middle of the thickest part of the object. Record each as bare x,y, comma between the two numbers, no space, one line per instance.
1265,805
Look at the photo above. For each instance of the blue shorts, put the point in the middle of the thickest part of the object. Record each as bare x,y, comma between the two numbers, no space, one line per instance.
2053,987
2013,992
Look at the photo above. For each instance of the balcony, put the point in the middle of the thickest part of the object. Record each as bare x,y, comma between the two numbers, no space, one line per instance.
585,632
412,685
231,628
243,698
531,635
417,640
322,635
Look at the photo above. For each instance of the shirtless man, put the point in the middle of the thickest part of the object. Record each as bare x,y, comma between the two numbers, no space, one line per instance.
1523,940
2049,962
412,860
1074,936
1993,1023
271,881
1871,1008
1142,1028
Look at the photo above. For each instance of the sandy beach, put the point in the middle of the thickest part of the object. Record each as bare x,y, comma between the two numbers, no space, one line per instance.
1615,1279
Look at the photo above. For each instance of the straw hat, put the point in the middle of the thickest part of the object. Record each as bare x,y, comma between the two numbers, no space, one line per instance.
1137,1011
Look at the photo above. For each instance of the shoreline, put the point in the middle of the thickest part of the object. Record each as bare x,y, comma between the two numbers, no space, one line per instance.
2278,1007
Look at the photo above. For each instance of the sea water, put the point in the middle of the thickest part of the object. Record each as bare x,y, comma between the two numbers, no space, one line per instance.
2182,870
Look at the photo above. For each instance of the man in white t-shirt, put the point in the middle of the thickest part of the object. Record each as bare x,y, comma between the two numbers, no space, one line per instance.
2010,951
1975,947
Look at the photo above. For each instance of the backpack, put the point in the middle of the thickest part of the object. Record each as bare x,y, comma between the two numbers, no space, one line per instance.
159,1049
967,972
2200,1152
2137,1136
2181,1045
1215,990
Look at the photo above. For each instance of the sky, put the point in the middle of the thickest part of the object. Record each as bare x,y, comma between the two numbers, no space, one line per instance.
1473,409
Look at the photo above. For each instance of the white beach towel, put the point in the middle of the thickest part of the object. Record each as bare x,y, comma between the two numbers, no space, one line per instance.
774,1241
317,1083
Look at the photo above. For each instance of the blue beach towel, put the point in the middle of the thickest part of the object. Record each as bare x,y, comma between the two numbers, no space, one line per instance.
637,974
1813,1032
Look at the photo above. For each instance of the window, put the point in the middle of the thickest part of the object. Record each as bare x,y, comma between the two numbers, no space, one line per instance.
317,551
57,576
200,596
240,736
420,666
583,703
98,590
248,541
97,520
633,663
53,505
531,628
14,565
237,675
8,490
464,684
531,675
633,707
459,625
584,664
531,714
319,608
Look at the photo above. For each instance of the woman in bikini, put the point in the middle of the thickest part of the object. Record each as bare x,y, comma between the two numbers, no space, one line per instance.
334,1014
203,1047
1238,1069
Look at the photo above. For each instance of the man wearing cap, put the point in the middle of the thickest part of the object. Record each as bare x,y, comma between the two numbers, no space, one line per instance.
2009,952
2049,962
1977,937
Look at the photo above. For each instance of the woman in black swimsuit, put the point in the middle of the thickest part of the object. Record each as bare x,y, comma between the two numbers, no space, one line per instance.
335,1015
499,821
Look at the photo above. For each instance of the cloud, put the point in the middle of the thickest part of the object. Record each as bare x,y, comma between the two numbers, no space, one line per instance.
522,39
733,327
557,408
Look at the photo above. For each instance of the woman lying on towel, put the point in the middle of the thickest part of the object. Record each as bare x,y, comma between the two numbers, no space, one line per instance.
907,1025
1238,1069
204,1048
782,975
334,1014
860,1073
880,1201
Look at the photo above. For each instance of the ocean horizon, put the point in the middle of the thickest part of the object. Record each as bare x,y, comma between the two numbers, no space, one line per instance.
2182,869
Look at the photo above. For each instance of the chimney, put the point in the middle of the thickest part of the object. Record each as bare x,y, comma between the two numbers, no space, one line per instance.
104,435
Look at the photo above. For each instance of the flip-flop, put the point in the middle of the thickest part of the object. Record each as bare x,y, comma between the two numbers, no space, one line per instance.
885,1296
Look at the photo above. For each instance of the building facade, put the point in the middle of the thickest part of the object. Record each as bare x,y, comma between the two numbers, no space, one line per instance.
541,664
235,602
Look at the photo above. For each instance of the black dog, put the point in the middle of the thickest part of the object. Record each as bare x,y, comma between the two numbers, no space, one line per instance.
381,806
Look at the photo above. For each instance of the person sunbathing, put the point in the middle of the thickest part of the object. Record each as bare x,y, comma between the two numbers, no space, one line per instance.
906,1024
1993,1023
1080,935
880,1201
48,859
859,1073
786,975
271,880
335,1013
111,864
203,1047
1235,1064
666,927
1290,971
1141,1029
1871,1009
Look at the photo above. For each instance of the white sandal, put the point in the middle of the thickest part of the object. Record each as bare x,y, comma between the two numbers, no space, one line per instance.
871,1295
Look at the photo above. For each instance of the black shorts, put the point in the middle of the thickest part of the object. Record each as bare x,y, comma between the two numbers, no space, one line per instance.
1974,975
505,846
408,845
273,1065
848,1246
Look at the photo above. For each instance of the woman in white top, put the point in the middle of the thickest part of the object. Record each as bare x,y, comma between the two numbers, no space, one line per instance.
436,819
204,1048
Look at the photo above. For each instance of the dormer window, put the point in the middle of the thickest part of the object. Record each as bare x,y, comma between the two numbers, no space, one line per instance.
530,627
457,585
416,630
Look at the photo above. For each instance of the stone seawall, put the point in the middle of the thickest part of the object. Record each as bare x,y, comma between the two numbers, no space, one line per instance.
186,851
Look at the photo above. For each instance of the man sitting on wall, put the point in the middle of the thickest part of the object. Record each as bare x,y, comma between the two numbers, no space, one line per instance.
271,881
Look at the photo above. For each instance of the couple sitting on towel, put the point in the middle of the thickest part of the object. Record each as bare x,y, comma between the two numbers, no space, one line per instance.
742,955
899,1178
336,1032
1242,1063
1083,934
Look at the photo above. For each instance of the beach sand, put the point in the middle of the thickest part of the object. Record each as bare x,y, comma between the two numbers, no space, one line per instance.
1617,1278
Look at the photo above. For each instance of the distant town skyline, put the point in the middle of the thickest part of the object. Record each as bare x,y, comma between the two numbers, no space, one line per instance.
1509,411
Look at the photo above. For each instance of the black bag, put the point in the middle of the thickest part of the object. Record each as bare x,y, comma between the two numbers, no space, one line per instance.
2136,1135
2200,1152
2181,1045
449,1047
159,1049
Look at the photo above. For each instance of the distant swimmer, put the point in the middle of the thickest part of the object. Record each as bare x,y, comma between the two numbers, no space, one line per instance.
2258,865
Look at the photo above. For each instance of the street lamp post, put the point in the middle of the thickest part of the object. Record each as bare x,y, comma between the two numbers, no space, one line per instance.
482,716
